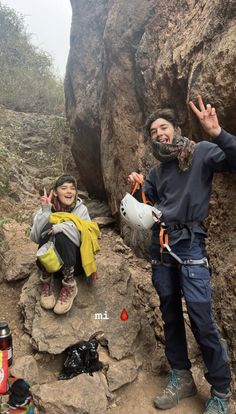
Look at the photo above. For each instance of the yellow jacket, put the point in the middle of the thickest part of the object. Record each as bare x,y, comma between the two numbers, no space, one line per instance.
89,233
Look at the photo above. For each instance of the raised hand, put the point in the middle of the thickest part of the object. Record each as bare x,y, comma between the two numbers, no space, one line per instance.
207,117
45,199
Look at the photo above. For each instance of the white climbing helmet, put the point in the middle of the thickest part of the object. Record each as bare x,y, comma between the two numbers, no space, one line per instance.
138,215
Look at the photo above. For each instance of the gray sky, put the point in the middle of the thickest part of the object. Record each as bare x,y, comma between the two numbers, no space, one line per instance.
49,22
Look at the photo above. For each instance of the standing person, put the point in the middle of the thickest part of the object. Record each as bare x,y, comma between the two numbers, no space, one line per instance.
63,198
180,185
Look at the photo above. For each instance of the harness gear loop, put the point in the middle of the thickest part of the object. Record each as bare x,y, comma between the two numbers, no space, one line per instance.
164,244
163,237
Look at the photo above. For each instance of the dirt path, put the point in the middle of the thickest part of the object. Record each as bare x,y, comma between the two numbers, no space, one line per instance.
138,396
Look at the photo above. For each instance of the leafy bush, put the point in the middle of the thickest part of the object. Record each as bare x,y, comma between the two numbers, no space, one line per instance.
27,81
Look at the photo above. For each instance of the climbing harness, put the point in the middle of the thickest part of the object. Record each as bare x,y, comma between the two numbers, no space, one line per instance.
164,244
144,215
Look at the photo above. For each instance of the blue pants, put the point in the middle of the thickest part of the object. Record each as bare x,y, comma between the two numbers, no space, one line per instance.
171,281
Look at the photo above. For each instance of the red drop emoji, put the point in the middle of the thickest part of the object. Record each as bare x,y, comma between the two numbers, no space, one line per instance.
124,315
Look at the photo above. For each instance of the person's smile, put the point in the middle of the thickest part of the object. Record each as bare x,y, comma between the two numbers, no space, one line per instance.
66,194
162,131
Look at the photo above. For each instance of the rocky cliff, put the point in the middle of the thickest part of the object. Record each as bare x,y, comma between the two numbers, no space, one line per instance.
127,58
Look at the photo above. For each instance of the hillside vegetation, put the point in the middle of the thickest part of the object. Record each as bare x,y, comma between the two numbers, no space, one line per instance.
27,81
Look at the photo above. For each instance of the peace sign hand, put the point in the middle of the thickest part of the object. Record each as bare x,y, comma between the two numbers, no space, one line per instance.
207,117
45,199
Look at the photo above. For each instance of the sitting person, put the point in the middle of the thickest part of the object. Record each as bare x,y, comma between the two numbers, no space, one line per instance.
67,210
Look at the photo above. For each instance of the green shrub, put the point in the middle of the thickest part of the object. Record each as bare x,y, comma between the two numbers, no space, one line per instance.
27,81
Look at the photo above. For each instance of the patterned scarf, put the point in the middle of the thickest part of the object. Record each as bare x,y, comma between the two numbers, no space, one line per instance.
181,148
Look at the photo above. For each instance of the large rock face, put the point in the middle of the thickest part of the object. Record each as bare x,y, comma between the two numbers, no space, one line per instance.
127,58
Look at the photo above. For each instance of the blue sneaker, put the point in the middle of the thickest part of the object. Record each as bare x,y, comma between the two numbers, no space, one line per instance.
218,403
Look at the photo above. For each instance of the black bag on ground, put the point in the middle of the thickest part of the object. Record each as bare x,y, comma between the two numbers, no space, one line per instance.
81,358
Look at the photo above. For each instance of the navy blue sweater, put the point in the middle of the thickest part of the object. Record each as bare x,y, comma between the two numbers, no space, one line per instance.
183,197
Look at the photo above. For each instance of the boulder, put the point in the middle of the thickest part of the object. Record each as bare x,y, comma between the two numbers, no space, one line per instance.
20,255
26,367
121,373
84,394
97,308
